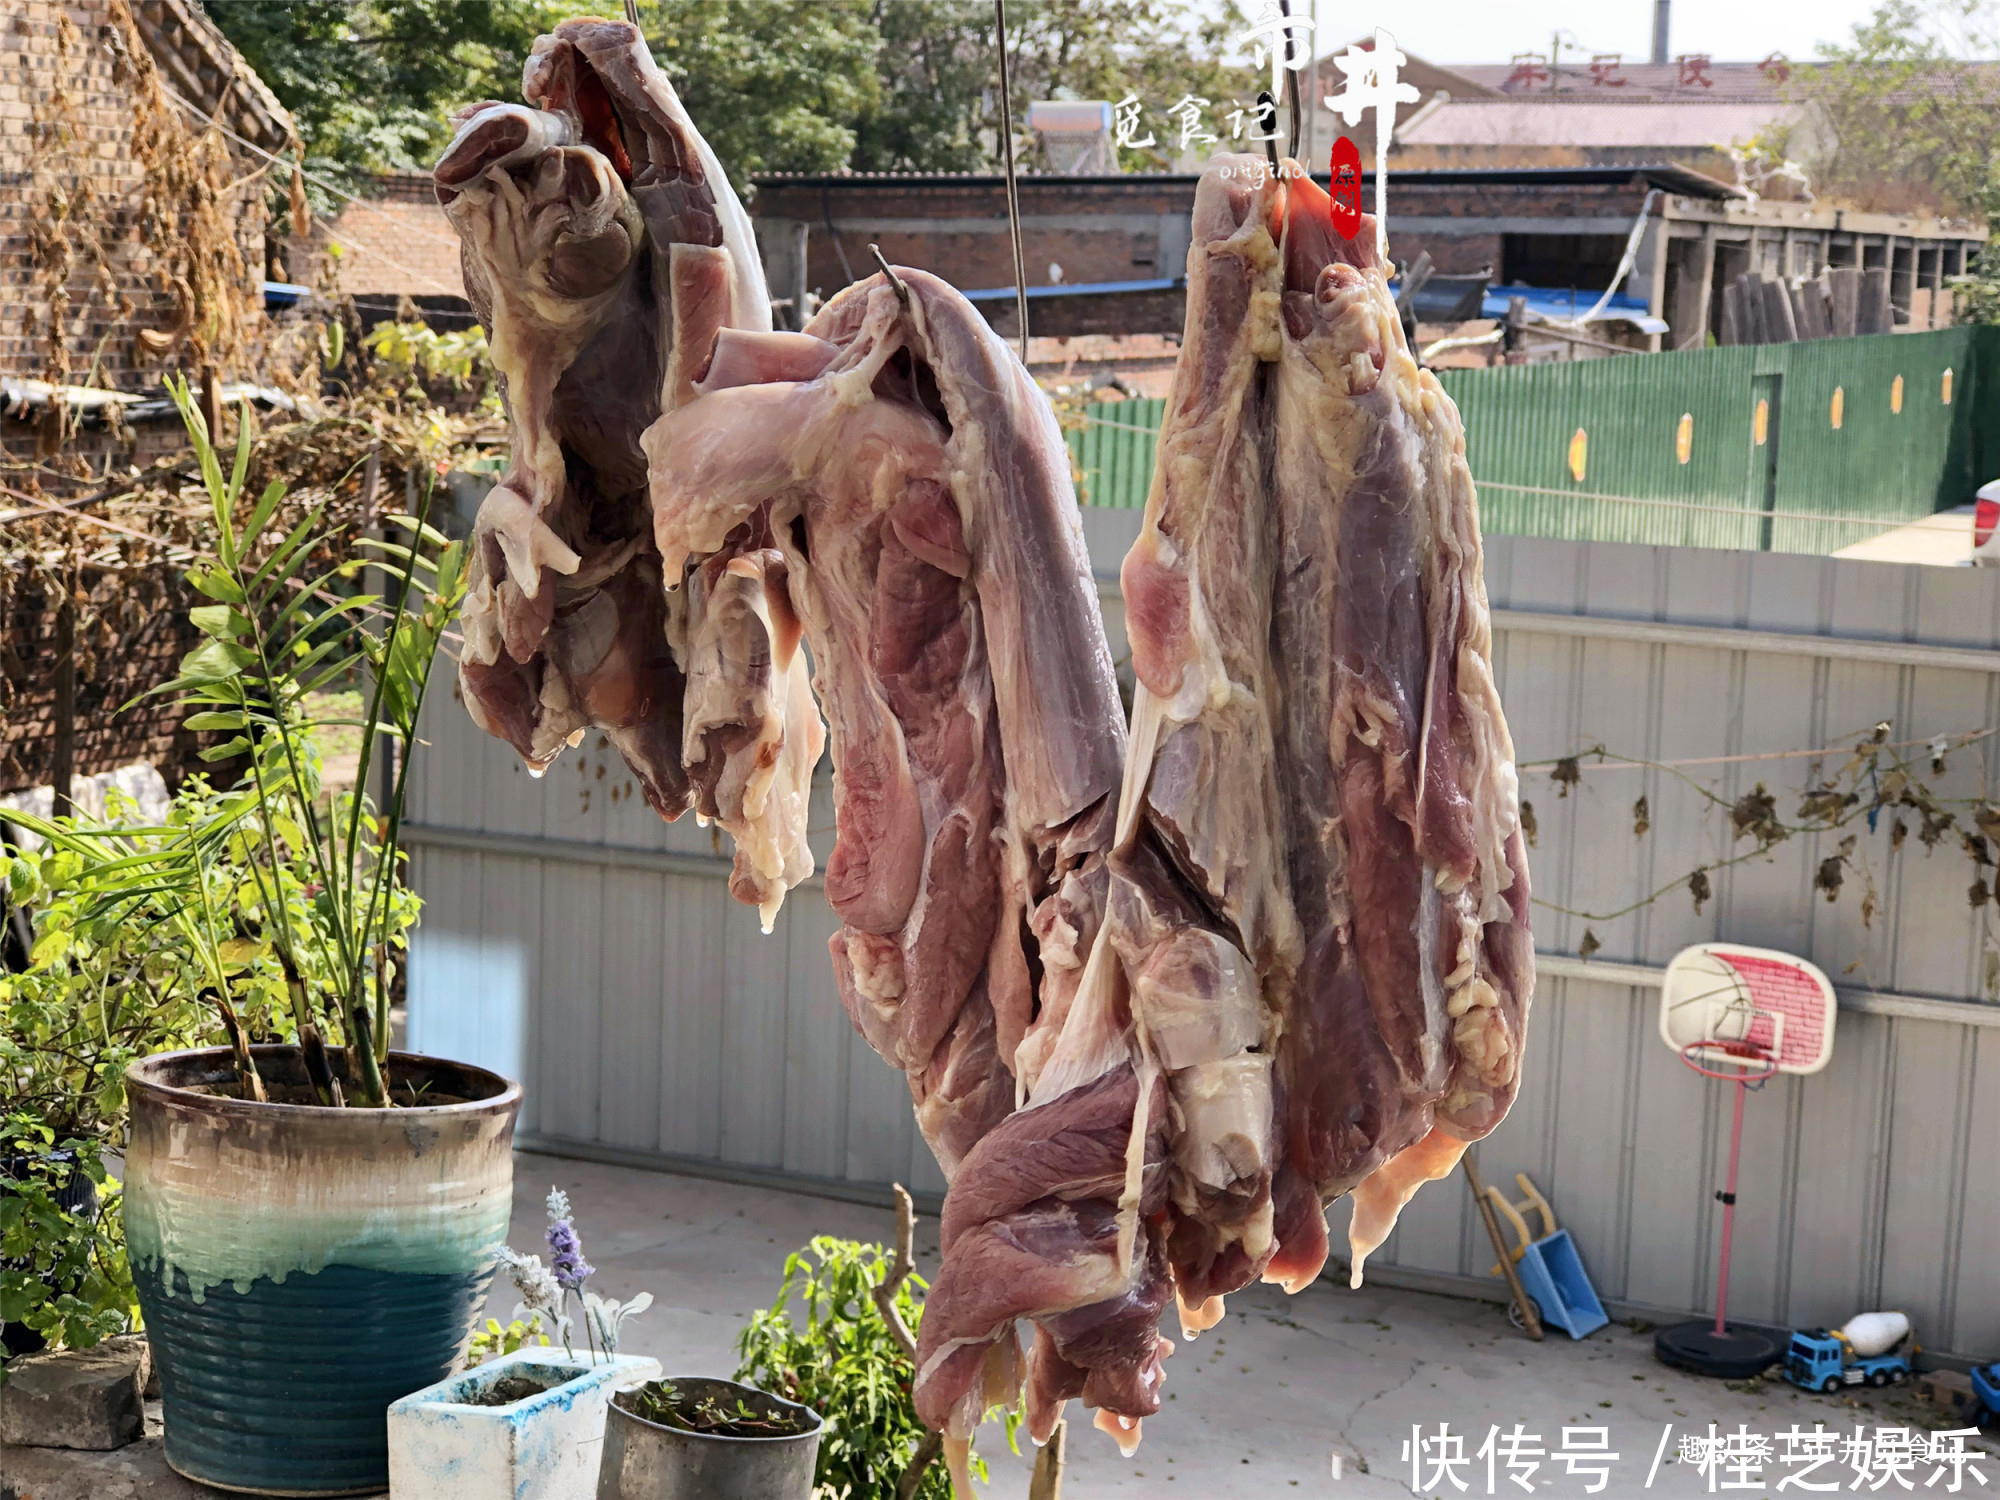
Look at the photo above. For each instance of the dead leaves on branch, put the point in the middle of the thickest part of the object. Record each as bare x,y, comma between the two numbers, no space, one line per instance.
1871,781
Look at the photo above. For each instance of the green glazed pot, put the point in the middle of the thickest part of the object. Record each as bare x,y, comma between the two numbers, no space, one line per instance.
299,1268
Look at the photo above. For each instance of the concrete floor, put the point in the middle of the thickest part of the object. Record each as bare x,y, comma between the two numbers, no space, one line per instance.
1258,1406
1943,540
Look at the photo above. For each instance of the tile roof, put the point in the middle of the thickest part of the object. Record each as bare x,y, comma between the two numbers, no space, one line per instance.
1591,122
203,67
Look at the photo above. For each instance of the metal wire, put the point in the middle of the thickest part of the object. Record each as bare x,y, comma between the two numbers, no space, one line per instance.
1013,190
1292,87
632,12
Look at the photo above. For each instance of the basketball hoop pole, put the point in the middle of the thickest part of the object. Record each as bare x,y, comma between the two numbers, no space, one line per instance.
1741,1016
1729,1213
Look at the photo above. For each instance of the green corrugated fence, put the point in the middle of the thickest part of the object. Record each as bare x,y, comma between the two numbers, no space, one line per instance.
1669,449
1113,451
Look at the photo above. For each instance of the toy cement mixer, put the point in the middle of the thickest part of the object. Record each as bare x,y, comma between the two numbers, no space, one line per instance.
1866,1350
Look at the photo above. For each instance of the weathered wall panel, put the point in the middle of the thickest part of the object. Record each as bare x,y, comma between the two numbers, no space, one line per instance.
572,937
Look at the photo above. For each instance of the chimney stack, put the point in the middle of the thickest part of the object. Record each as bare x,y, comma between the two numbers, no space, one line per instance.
1660,11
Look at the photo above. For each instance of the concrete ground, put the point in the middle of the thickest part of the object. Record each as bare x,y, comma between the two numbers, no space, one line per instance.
1259,1406
1943,540
1262,1405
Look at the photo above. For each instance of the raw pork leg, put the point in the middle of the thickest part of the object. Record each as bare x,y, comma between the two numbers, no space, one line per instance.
604,250
1313,966
1404,1027
917,489
751,735
1169,1017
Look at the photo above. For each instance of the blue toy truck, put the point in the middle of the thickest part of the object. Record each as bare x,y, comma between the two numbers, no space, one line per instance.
1823,1361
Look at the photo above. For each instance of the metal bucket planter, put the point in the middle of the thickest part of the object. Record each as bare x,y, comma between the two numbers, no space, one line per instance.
646,1461
300,1268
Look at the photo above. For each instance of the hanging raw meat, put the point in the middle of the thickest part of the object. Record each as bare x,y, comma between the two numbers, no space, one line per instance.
1314,966
604,250
897,469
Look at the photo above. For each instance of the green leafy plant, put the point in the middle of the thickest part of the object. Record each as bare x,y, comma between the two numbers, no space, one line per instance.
663,1402
274,888
413,352
492,1341
63,1274
825,1344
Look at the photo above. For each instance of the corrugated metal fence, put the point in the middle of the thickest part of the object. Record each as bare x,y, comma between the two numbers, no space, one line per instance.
574,941
1670,448
1112,448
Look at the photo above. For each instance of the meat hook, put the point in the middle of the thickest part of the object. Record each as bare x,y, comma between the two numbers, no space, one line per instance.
901,286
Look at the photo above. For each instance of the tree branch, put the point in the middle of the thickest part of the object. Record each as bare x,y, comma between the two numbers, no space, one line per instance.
899,1272
922,1459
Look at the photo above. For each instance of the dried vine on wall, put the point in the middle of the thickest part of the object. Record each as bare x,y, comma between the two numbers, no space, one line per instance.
1879,780
189,208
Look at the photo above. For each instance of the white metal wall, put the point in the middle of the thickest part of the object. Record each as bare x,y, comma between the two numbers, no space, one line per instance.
574,941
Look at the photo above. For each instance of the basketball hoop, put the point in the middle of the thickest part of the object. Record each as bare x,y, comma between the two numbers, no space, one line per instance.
1739,1015
1738,1062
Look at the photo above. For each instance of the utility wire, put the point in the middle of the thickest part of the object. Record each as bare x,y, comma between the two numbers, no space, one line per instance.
332,187
1013,189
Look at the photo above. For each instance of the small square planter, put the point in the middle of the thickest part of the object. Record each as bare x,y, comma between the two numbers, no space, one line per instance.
544,1446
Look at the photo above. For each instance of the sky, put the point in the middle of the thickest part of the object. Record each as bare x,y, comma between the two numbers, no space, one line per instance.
1466,31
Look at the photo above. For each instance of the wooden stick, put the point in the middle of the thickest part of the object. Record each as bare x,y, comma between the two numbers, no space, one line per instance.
884,1294
922,1459
899,1272
62,753
1046,1482
1530,1319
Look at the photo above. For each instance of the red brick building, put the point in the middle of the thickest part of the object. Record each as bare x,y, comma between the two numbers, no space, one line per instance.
1106,255
131,246
86,207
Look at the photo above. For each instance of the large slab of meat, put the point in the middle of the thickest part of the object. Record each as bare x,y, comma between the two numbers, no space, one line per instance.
603,250
897,471
1314,968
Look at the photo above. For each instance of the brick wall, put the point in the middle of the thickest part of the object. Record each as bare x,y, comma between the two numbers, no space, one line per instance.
136,643
1126,228
115,294
134,630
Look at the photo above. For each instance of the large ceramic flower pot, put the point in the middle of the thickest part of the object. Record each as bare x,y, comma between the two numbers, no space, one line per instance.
299,1267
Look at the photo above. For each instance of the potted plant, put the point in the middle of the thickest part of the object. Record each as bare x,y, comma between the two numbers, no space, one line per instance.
531,1420
311,1221
691,1438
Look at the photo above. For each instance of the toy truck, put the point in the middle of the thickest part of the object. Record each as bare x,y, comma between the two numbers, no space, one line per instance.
1823,1361
1986,1392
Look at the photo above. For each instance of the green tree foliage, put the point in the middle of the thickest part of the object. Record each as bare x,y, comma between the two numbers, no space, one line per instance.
775,85
1905,116
1157,51
372,83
